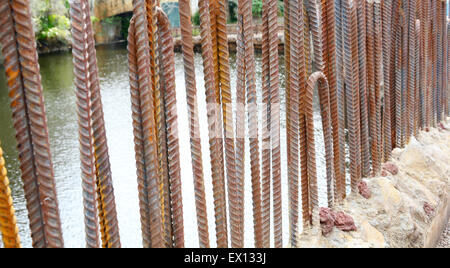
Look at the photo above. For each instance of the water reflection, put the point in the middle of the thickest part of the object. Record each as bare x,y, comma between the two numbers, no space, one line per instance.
57,79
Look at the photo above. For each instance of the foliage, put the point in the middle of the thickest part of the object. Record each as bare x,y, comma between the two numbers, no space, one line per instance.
196,19
232,9
112,20
257,7
280,8
53,28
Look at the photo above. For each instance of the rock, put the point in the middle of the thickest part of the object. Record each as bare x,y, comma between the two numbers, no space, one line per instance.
372,235
429,210
391,168
345,222
327,218
364,190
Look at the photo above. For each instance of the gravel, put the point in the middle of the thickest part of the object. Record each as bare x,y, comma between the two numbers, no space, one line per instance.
445,239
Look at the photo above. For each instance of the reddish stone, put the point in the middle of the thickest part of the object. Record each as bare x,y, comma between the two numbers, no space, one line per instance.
429,210
364,190
327,218
345,222
391,168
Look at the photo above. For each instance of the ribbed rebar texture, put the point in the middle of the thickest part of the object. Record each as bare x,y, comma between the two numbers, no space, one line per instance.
171,117
387,44
8,220
48,221
319,79
352,89
330,70
271,164
363,91
84,111
296,75
214,127
21,122
148,170
194,127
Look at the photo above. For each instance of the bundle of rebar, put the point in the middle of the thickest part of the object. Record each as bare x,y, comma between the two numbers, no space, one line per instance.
381,73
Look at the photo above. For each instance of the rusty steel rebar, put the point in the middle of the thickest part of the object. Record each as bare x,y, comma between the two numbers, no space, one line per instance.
317,31
266,124
374,81
94,150
84,112
252,108
275,122
104,175
417,85
370,47
363,95
318,78
160,114
194,127
31,80
386,8
352,89
163,177
219,39
20,120
296,75
171,117
378,78
287,65
240,118
8,220
148,178
137,131
214,127
412,11
340,92
398,74
271,165
329,50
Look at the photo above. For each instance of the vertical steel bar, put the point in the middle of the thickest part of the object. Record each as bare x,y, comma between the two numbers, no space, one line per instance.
8,220
194,127
148,124
84,111
38,123
215,131
21,122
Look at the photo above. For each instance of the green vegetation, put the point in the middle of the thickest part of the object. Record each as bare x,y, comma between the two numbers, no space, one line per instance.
196,19
257,7
53,28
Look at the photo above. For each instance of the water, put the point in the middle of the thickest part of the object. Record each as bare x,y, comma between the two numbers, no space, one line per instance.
57,78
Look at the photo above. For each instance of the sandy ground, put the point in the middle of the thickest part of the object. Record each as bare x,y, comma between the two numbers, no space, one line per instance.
445,239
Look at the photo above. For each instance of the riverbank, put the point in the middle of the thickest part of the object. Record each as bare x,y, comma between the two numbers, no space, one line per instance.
409,207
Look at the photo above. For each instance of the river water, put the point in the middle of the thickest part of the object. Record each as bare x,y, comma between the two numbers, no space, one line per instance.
57,80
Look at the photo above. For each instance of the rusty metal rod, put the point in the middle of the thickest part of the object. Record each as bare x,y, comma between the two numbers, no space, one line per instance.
84,111
21,122
34,100
171,117
8,220
214,127
194,127
148,124
318,78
